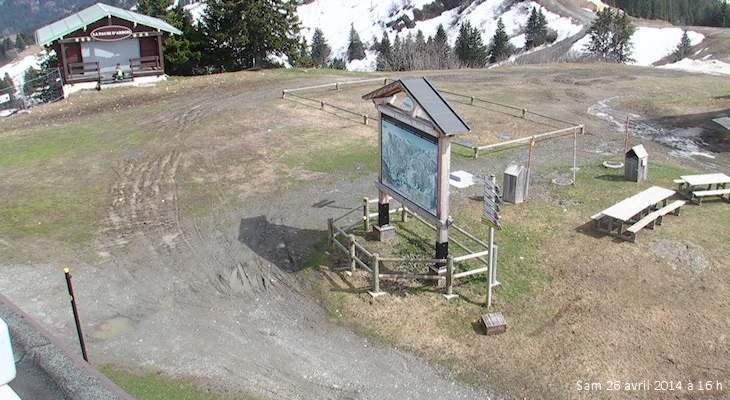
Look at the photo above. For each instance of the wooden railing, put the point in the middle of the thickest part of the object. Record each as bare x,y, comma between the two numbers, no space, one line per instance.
84,72
145,65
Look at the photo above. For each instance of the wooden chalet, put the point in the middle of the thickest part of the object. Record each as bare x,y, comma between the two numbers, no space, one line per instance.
90,43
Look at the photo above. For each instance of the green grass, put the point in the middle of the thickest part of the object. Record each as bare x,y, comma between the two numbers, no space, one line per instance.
152,386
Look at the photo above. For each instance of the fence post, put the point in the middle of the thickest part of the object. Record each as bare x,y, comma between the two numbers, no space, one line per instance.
404,214
365,119
352,252
449,275
524,112
283,94
366,214
321,105
331,228
337,85
376,273
472,100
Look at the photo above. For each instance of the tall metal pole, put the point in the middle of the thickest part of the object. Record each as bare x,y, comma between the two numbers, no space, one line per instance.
490,264
626,138
529,166
575,151
76,312
490,268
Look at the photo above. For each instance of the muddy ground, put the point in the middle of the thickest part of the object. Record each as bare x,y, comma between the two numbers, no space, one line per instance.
200,263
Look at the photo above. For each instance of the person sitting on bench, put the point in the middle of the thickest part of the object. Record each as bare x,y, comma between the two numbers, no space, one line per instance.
118,73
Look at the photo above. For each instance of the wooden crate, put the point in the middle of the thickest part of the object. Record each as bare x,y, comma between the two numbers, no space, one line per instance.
494,323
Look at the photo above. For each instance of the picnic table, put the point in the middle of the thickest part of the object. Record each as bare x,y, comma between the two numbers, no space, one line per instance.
695,187
637,212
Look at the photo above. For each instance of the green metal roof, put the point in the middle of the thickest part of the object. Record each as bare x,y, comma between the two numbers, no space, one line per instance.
88,16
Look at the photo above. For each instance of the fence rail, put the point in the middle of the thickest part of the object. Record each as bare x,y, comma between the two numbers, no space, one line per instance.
365,118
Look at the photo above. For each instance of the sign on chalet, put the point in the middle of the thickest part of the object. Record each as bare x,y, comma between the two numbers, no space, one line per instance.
90,44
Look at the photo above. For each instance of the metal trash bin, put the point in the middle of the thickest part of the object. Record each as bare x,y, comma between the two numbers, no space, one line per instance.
636,164
515,184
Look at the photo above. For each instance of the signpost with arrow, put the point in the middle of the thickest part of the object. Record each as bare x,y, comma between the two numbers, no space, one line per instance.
491,217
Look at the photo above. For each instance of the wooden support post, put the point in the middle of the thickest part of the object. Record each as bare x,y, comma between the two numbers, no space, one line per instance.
352,253
331,228
337,86
366,214
472,100
404,214
524,113
365,119
321,105
283,94
376,273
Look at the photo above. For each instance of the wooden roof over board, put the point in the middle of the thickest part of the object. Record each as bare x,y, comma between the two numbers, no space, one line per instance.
438,110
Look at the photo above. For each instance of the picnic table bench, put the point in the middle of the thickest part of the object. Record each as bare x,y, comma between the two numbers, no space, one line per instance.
627,217
695,187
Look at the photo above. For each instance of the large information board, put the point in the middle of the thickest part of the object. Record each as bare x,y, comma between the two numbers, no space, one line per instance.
409,163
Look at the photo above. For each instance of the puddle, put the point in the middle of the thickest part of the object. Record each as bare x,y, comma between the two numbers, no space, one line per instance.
113,328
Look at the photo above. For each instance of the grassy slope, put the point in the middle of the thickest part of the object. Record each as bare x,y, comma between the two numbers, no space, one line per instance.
58,165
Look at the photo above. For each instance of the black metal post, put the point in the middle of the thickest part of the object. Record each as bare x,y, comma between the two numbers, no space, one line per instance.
76,312
383,214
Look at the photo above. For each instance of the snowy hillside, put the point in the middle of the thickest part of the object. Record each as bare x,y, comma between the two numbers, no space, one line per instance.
370,20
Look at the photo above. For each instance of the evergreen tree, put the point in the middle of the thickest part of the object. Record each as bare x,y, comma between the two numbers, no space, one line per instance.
682,48
320,49
19,42
5,47
32,81
355,50
184,53
442,50
154,8
610,36
241,34
469,47
621,42
383,62
300,57
500,47
7,86
537,29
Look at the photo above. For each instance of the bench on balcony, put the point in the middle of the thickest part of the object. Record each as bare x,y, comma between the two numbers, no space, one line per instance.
143,66
84,72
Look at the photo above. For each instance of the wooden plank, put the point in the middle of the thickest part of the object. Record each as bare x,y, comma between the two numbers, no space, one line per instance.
706,179
598,216
675,205
644,222
635,204
715,192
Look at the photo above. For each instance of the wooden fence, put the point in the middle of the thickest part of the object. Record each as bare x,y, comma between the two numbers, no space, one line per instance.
520,112
335,86
359,255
